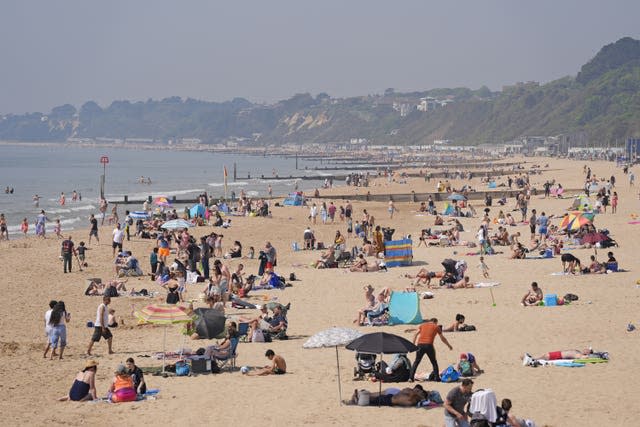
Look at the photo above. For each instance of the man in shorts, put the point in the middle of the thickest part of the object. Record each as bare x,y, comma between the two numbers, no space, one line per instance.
101,329
118,238
93,230
277,367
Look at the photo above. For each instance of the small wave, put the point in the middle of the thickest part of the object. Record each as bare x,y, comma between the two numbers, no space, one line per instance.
143,196
229,184
253,193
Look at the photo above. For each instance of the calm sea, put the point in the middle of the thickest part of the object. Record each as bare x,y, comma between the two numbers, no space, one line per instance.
49,170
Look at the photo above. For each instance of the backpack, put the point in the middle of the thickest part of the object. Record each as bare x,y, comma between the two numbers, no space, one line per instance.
449,375
465,369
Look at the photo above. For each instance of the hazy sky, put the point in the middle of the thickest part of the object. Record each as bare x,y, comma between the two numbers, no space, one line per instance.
63,51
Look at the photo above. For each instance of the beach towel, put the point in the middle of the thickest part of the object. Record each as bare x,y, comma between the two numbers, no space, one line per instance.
486,285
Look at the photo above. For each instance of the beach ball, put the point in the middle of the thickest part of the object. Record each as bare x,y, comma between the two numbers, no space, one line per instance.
244,369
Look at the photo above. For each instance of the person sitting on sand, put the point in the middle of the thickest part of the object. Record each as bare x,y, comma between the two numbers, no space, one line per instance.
327,259
438,220
369,305
458,325
533,297
595,267
407,397
469,357
379,309
368,249
278,365
510,220
121,385
360,264
84,385
222,349
396,371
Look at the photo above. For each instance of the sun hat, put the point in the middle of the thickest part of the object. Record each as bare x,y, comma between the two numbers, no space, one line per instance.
91,363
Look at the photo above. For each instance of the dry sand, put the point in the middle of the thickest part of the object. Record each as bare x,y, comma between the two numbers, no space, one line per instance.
595,395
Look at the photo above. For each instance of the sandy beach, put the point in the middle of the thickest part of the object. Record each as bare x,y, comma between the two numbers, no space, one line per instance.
595,395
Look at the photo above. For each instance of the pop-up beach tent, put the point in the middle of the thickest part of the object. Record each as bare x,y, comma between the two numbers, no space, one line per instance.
294,199
404,308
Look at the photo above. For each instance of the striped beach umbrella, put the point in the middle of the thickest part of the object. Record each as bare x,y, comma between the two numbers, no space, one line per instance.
164,314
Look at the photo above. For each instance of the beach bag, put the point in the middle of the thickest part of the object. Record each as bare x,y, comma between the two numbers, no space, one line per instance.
465,368
182,369
467,328
124,395
258,336
449,375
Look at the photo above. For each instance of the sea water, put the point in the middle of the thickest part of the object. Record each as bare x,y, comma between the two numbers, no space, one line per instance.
49,170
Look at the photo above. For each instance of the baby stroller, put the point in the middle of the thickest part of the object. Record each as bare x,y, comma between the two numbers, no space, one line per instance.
450,272
366,365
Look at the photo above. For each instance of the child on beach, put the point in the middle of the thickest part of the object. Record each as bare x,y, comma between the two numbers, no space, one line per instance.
349,227
484,268
252,253
153,260
81,253
24,227
58,229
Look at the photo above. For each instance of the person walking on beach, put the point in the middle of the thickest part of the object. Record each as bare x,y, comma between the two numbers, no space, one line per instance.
41,222
391,209
68,250
118,238
4,231
101,329
93,229
24,227
103,208
424,340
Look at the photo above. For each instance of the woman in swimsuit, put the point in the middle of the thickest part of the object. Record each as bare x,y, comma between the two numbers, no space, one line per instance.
84,385
360,265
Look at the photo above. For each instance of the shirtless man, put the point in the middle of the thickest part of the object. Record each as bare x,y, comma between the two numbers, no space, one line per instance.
533,297
278,365
407,397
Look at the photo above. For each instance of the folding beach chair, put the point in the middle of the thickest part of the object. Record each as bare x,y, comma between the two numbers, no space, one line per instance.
230,360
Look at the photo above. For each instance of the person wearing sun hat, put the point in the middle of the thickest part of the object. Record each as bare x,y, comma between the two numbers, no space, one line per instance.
84,385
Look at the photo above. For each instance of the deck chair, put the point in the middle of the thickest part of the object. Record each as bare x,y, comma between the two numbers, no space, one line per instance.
230,360
243,331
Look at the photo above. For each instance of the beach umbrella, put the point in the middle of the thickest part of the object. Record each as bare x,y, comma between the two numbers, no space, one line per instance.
456,197
209,323
574,221
176,223
333,337
162,201
139,215
163,314
381,343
